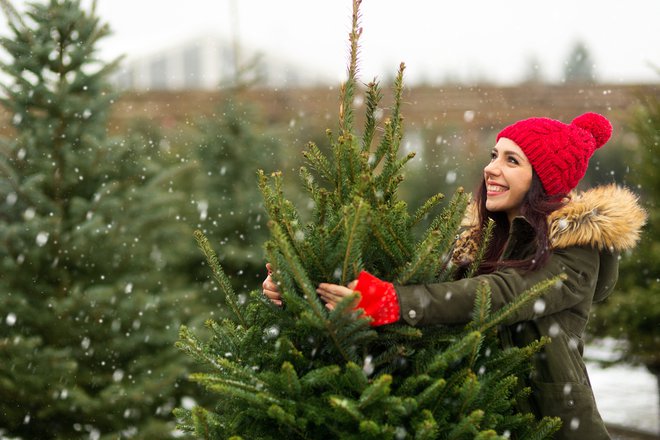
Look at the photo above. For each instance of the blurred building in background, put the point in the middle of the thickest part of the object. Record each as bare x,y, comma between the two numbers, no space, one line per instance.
209,62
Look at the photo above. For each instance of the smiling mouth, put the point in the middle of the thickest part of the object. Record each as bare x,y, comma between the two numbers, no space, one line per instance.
495,189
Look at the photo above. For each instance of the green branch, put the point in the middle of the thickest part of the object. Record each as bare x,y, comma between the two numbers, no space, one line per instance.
220,277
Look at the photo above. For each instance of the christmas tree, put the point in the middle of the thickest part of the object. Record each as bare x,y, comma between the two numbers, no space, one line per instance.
303,371
90,304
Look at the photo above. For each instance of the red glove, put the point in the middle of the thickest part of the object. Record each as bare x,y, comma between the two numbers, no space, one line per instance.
378,299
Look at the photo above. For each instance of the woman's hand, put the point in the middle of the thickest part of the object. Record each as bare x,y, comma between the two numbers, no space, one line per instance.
376,298
270,289
331,294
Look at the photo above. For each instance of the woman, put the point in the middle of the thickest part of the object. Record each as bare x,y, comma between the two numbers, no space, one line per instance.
540,232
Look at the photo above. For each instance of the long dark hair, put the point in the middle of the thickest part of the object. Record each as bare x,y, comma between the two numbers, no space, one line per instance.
536,206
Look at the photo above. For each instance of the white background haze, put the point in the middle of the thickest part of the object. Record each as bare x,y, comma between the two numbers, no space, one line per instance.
438,40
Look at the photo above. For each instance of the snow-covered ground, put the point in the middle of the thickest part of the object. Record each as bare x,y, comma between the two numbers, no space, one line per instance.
626,395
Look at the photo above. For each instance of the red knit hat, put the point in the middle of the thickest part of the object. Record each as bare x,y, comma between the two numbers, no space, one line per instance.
559,153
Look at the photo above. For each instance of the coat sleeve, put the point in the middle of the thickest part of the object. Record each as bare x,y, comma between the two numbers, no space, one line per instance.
452,302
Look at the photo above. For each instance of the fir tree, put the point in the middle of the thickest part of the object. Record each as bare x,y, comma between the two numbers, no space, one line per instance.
230,144
305,372
579,66
85,246
631,314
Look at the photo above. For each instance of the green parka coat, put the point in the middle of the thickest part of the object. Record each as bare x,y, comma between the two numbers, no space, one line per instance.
587,235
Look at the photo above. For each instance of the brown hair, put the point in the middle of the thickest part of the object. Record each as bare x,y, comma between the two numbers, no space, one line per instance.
536,206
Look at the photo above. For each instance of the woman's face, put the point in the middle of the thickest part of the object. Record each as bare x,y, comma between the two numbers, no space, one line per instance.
508,177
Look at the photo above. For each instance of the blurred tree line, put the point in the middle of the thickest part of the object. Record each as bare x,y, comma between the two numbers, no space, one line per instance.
99,267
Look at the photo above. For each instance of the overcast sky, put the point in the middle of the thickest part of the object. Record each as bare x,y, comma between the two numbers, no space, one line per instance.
464,39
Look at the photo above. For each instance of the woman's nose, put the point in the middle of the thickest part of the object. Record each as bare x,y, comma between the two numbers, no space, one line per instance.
492,168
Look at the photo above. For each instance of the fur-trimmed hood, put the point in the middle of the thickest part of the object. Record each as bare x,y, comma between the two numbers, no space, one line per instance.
606,217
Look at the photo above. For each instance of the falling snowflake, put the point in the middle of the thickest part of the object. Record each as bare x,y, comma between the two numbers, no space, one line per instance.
10,319
42,238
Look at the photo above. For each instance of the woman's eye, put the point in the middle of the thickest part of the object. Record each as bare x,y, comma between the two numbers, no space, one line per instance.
493,155
513,160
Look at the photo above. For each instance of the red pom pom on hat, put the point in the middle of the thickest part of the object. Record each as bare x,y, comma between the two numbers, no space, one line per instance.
599,127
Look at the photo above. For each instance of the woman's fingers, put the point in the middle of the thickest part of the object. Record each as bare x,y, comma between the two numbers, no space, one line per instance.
272,294
333,293
327,296
269,284
270,288
274,299
334,289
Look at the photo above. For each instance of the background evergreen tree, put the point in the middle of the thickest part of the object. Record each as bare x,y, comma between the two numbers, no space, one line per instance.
579,66
306,372
632,312
229,146
90,302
